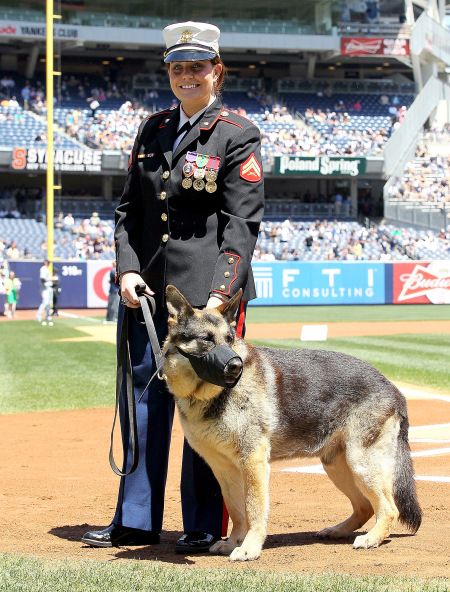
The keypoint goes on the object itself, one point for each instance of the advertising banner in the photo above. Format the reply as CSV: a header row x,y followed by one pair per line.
x,y
35,30
67,159
325,166
297,283
374,46
421,282
72,281
97,283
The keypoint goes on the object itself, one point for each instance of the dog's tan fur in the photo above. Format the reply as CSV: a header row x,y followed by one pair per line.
x,y
239,430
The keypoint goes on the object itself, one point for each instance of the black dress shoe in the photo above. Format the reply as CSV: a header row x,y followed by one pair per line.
x,y
195,542
114,536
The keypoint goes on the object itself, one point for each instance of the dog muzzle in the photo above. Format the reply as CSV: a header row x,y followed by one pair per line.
x,y
221,366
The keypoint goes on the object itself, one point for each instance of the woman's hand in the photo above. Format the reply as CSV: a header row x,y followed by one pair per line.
x,y
128,283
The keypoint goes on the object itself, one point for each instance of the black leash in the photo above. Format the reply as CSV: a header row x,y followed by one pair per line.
x,y
148,308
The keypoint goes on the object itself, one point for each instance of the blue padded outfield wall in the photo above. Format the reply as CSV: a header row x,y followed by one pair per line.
x,y
294,283
278,283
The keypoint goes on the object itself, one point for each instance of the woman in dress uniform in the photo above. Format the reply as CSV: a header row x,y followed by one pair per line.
x,y
189,216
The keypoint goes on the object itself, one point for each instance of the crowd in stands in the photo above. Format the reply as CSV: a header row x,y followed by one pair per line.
x,y
319,240
325,240
104,114
426,178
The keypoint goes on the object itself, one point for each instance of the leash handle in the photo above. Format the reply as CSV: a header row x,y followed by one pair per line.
x,y
124,366
147,303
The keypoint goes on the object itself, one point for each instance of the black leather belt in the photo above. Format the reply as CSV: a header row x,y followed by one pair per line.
x,y
148,308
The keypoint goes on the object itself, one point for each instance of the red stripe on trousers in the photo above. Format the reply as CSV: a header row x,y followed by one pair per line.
x,y
240,318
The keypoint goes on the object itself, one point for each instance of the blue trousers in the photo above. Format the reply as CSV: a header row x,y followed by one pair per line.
x,y
141,495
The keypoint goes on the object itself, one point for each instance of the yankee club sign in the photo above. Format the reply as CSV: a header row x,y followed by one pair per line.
x,y
319,165
67,160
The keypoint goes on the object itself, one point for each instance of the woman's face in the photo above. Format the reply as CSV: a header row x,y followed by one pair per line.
x,y
193,83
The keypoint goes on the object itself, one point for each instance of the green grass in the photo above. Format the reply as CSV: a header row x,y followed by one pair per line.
x,y
140,576
423,360
38,372
313,314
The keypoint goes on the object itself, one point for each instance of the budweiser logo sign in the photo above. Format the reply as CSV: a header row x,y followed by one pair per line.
x,y
431,282
8,30
374,46
363,46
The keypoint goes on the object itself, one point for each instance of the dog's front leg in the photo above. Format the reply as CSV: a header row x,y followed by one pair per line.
x,y
231,483
255,471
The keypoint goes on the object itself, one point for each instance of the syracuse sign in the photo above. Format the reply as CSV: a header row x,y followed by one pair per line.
x,y
68,160
319,165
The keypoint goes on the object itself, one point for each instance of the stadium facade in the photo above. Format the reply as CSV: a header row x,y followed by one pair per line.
x,y
320,55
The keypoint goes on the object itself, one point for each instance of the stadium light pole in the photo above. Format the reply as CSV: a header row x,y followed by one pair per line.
x,y
49,100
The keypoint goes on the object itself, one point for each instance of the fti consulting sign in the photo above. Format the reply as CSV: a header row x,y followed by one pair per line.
x,y
324,166
294,283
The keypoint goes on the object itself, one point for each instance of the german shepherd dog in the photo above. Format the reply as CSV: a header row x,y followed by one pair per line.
x,y
288,404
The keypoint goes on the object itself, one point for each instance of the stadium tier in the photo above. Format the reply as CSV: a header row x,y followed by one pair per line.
x,y
19,127
320,240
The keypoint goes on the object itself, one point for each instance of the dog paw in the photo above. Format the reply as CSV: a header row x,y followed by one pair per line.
x,y
222,548
365,541
332,533
245,554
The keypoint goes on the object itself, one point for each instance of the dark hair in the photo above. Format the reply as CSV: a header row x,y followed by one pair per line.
x,y
221,78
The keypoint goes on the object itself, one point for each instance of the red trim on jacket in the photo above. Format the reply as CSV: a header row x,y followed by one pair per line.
x,y
240,319
219,117
238,259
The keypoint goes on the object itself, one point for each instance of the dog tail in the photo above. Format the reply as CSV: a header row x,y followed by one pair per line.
x,y
405,495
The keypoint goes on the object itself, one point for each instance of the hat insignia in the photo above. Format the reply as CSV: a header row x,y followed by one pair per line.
x,y
186,36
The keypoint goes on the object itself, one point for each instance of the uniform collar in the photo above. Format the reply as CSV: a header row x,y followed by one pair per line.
x,y
184,118
209,115
169,126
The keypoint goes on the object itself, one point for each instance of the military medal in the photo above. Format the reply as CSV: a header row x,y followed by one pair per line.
x,y
211,187
210,175
199,173
188,169
199,184
201,160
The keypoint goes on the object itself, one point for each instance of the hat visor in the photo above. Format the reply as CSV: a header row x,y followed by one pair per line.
x,y
189,55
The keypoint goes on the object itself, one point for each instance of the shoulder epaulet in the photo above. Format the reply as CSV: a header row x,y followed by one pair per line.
x,y
229,117
238,116
157,114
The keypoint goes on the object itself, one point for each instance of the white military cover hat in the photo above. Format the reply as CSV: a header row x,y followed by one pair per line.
x,y
189,42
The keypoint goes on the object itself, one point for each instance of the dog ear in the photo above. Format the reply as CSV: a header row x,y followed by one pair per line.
x,y
177,304
229,309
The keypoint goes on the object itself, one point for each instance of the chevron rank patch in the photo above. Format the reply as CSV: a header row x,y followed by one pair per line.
x,y
251,170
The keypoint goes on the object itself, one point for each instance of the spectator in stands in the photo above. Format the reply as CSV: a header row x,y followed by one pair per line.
x,y
212,236
12,252
7,84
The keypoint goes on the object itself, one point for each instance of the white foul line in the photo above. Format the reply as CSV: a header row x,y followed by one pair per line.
x,y
435,452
